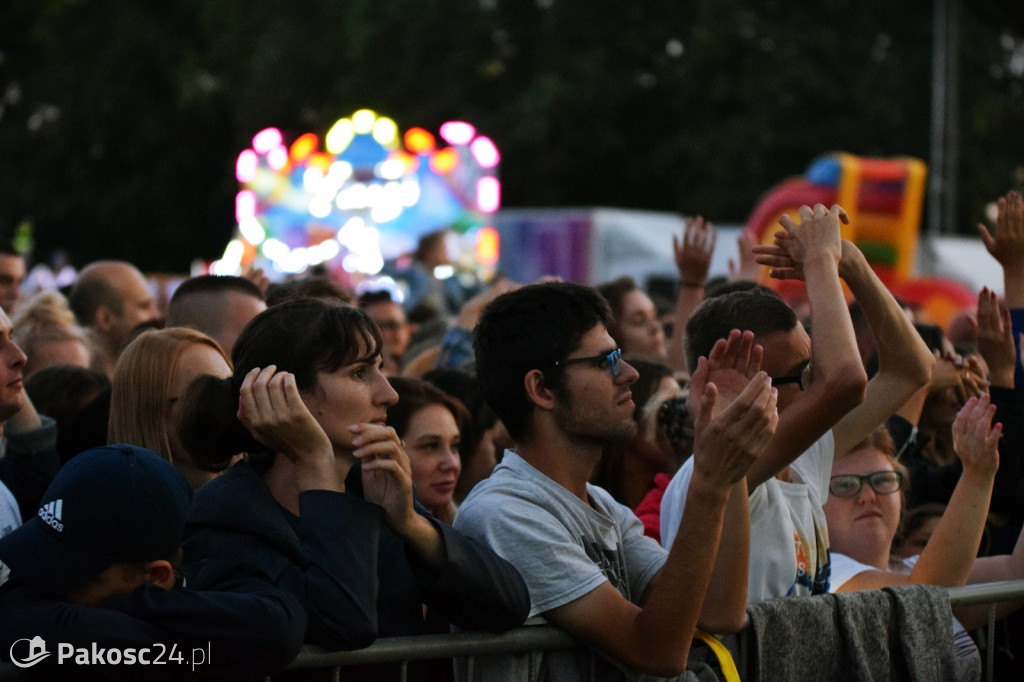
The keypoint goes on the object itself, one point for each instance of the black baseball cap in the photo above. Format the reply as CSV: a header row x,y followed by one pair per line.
x,y
112,504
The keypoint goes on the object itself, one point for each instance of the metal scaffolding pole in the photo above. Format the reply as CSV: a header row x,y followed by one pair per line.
x,y
942,174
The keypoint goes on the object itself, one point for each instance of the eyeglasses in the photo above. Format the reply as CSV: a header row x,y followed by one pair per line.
x,y
611,358
882,482
801,378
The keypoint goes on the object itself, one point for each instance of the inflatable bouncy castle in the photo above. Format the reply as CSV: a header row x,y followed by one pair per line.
x,y
883,197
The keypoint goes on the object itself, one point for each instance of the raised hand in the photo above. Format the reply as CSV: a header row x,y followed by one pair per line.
x,y
817,234
745,267
728,441
995,339
730,366
1007,246
977,442
259,278
693,253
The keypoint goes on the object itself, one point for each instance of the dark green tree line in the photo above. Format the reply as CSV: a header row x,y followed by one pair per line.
x,y
120,122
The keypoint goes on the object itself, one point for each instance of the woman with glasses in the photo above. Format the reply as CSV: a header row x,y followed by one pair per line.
x,y
863,512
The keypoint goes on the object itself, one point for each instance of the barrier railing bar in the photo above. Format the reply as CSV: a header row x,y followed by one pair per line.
x,y
549,638
425,647
982,593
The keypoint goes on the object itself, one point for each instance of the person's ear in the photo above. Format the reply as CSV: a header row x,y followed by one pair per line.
x,y
537,391
160,573
104,318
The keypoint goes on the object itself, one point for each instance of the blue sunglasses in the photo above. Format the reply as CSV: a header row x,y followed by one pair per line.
x,y
611,358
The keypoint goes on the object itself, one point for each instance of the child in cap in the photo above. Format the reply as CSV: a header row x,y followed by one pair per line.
x,y
97,568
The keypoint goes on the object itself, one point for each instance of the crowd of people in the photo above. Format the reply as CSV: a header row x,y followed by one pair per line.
x,y
259,465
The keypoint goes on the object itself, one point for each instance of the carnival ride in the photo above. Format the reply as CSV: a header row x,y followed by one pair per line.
x,y
361,195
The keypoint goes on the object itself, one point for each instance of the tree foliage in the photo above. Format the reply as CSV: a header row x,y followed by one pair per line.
x,y
120,122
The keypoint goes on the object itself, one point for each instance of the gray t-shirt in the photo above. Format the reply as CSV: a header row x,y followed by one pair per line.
x,y
564,548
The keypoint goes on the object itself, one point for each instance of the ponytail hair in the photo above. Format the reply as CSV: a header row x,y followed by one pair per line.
x,y
208,426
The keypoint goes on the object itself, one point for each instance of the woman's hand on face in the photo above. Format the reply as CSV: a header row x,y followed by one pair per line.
x,y
977,442
270,407
387,474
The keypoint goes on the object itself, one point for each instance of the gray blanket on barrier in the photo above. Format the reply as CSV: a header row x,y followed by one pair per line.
x,y
897,633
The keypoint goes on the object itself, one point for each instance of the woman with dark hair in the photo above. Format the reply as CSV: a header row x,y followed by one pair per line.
x,y
430,423
634,325
637,326
484,436
323,505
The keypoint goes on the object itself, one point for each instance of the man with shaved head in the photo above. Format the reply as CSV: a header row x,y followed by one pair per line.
x,y
218,305
110,300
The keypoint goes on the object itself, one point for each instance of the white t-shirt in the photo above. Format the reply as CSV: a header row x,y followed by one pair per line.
x,y
965,651
788,533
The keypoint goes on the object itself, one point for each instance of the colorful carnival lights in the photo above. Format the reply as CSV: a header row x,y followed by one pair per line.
x,y
364,193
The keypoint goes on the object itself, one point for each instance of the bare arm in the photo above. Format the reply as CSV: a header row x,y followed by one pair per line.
x,y
993,569
950,554
725,602
732,363
811,251
904,361
1007,246
656,637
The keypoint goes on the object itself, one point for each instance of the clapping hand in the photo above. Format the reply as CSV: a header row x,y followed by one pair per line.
x,y
817,233
977,442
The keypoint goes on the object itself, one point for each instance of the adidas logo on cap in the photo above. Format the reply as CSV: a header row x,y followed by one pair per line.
x,y
50,514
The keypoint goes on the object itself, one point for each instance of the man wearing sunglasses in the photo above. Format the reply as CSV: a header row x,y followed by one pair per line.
x,y
826,405
549,368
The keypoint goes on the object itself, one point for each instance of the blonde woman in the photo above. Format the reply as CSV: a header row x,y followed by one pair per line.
x,y
45,330
149,379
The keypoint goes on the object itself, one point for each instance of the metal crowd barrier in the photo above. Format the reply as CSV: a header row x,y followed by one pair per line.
x,y
402,650
537,639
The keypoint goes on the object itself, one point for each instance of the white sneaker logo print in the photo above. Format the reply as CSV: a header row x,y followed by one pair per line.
x,y
50,513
